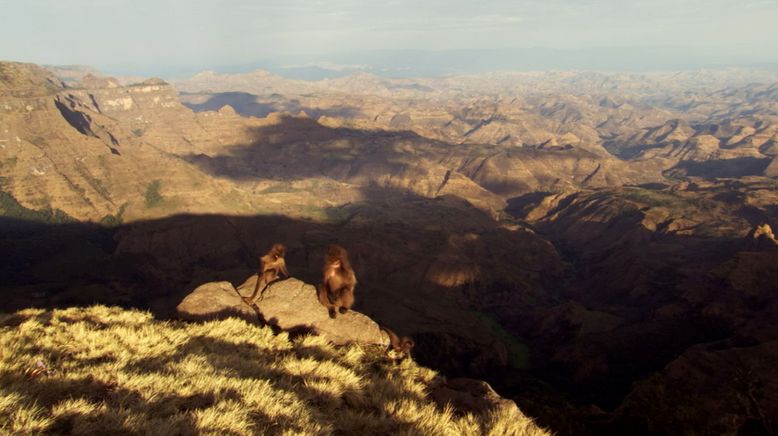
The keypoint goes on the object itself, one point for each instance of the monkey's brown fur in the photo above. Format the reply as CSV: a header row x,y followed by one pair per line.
x,y
401,345
271,266
336,291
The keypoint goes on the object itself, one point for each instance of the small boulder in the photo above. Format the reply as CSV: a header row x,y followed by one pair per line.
x,y
763,238
217,300
772,169
227,110
468,395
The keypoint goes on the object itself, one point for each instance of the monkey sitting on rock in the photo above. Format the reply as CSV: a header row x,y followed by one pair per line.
x,y
336,291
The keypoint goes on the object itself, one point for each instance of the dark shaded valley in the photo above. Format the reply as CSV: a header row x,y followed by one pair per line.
x,y
598,247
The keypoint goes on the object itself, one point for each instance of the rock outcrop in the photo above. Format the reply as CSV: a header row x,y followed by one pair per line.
x,y
288,305
762,237
216,300
772,169
467,395
291,305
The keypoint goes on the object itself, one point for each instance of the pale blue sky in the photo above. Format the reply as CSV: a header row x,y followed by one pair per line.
x,y
163,35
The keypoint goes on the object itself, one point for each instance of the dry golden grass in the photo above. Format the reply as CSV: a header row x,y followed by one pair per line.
x,y
105,370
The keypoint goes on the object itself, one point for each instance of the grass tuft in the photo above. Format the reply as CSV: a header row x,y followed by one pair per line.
x,y
109,370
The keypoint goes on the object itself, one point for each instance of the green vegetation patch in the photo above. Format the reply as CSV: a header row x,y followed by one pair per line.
x,y
649,197
518,352
233,200
279,188
110,221
39,141
9,163
93,181
11,208
312,211
114,220
153,197
340,214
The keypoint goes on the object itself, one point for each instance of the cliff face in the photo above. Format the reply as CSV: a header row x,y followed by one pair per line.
x,y
98,149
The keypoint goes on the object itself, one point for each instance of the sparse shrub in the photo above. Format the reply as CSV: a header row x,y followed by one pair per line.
x,y
11,208
10,162
518,352
279,188
110,221
114,220
153,196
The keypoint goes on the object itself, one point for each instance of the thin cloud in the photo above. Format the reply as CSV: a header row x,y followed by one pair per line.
x,y
173,32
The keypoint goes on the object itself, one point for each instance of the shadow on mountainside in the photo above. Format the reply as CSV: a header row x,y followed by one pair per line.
x,y
737,167
631,301
154,264
251,105
637,299
298,148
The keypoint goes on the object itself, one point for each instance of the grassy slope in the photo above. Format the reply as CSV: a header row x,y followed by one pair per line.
x,y
120,370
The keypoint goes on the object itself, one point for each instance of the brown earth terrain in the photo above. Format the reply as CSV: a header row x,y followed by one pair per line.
x,y
597,246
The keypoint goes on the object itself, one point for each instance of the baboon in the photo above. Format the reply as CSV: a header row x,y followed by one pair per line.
x,y
401,346
271,266
336,291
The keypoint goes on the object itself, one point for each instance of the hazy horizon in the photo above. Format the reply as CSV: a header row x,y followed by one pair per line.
x,y
397,37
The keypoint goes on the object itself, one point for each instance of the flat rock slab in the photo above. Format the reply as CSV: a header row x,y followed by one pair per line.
x,y
216,300
292,305
289,305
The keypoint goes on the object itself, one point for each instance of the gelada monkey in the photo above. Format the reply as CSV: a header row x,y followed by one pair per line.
x,y
336,291
271,266
400,345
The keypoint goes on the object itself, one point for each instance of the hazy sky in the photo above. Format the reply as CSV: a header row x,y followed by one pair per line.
x,y
163,34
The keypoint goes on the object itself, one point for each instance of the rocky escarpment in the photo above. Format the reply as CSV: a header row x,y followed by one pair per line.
x,y
100,151
762,237
26,80
291,305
